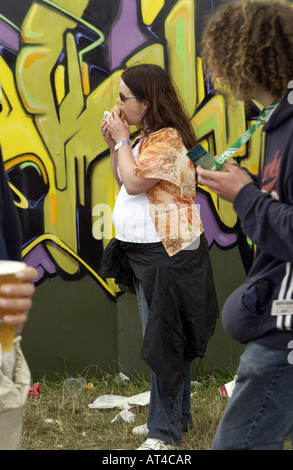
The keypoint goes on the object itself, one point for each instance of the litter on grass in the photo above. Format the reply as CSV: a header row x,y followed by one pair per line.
x,y
126,403
227,389
73,387
117,401
124,415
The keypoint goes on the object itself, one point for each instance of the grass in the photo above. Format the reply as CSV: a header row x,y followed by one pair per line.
x,y
73,425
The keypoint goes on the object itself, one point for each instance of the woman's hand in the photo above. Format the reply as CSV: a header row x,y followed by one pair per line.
x,y
106,134
114,129
18,297
119,130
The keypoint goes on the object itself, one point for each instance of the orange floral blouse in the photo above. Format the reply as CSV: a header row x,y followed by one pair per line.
x,y
172,208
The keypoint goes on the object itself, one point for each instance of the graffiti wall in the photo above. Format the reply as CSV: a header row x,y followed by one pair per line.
x,y
60,66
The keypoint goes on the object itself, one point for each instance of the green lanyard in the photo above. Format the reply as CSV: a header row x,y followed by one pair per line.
x,y
245,137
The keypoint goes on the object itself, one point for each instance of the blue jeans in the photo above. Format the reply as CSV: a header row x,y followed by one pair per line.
x,y
167,419
259,415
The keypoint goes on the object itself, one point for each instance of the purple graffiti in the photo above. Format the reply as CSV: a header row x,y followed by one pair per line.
x,y
39,259
212,230
8,37
126,35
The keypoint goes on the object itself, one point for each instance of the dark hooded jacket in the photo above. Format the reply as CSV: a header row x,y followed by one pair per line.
x,y
10,234
261,310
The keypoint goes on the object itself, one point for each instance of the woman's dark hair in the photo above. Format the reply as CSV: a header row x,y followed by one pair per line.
x,y
152,84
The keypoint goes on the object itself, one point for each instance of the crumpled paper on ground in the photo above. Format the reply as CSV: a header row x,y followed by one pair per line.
x,y
227,389
124,415
118,401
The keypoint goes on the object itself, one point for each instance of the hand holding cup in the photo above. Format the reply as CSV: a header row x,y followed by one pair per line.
x,y
16,291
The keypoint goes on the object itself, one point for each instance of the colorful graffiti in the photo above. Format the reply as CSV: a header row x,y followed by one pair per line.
x,y
60,65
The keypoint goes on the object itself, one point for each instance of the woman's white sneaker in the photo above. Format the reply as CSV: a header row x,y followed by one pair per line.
x,y
140,430
155,444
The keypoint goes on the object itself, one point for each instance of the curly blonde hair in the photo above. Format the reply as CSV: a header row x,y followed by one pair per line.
x,y
249,44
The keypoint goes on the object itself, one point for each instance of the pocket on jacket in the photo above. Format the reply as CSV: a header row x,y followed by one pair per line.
x,y
244,309
257,296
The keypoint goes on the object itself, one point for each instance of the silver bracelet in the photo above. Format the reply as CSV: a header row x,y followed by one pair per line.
x,y
121,143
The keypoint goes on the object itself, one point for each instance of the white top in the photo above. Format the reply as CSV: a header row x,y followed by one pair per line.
x,y
131,217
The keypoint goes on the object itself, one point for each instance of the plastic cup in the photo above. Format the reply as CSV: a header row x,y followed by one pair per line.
x,y
73,387
7,276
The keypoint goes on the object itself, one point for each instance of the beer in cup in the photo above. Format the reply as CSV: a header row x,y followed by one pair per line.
x,y
7,276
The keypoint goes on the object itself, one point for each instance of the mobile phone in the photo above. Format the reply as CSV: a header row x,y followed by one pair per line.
x,y
199,156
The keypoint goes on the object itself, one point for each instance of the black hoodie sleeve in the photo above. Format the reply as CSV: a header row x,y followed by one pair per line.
x,y
266,221
10,231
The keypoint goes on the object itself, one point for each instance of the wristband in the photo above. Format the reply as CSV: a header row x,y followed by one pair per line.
x,y
121,143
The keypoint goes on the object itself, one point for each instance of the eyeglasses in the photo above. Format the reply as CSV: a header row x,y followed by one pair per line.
x,y
123,98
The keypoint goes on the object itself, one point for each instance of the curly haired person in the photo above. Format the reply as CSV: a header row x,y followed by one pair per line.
x,y
247,48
